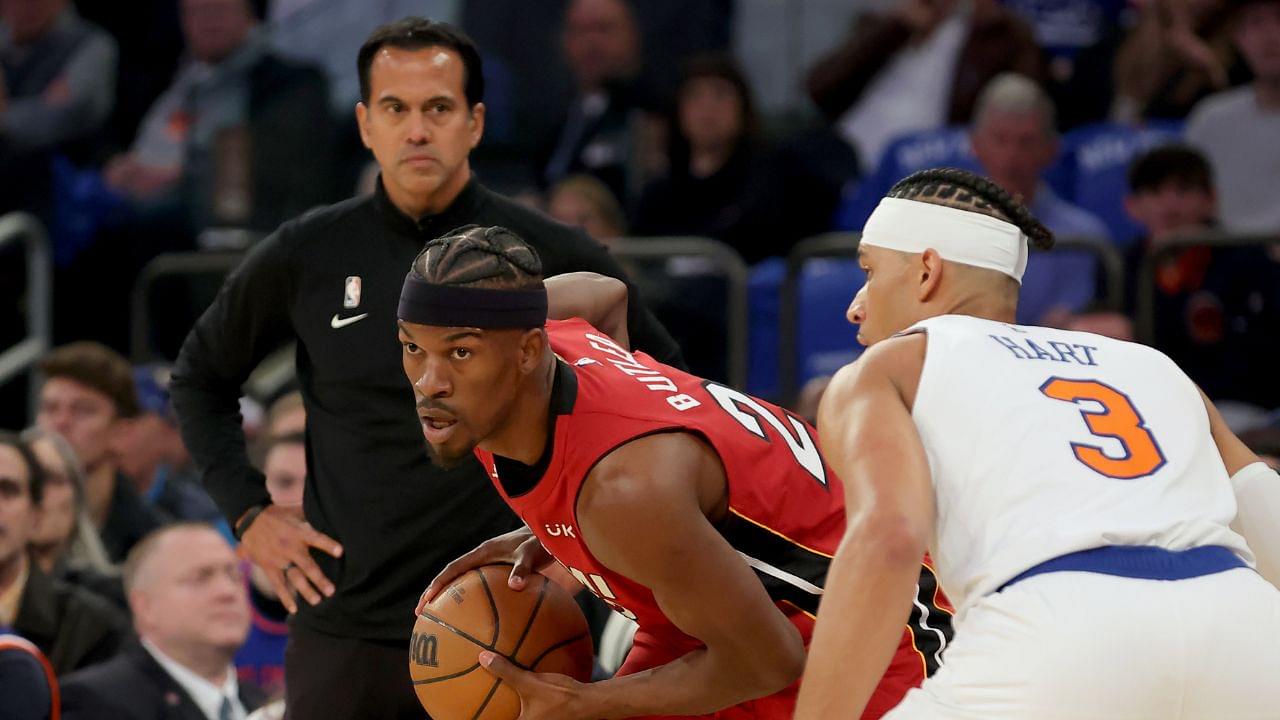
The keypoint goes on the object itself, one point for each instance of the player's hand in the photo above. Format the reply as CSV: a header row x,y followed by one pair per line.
x,y
279,541
518,547
543,696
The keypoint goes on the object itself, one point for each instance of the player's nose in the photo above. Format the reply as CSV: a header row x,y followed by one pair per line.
x,y
433,382
857,311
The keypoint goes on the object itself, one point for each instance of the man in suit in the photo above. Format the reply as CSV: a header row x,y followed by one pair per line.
x,y
71,626
191,615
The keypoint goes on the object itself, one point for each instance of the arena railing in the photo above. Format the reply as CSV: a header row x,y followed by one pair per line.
x,y
19,227
187,264
726,260
267,380
845,245
1144,310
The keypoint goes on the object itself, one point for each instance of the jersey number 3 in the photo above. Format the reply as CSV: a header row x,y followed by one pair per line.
x,y
1117,419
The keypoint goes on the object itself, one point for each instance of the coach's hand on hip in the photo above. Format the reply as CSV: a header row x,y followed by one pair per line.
x,y
279,541
518,547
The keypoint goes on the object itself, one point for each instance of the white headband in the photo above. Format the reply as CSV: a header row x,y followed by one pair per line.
x,y
957,235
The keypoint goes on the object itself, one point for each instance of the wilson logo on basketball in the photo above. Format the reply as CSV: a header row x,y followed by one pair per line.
x,y
423,649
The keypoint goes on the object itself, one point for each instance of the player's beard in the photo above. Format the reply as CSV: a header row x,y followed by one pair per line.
x,y
447,460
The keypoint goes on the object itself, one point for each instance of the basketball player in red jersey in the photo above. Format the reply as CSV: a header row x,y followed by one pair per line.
x,y
707,516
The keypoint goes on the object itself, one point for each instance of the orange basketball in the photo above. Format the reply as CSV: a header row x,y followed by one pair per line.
x,y
539,628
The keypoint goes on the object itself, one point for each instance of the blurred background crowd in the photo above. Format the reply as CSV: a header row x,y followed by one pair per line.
x,y
1144,133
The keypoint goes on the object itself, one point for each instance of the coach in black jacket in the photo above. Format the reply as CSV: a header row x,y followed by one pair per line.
x,y
381,520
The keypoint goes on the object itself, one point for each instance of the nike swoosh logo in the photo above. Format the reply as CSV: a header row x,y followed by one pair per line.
x,y
337,323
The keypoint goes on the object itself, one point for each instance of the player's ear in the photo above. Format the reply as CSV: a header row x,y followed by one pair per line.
x,y
532,344
930,275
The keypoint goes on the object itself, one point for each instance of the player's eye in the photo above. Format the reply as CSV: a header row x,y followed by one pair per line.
x,y
411,348
461,353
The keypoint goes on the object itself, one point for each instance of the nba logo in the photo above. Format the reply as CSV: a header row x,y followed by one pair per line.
x,y
351,293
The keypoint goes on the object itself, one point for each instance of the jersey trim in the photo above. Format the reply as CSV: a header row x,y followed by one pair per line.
x,y
789,571
929,622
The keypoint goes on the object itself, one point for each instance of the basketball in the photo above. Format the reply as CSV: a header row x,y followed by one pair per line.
x,y
539,628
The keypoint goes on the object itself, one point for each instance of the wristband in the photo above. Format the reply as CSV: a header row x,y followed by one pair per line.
x,y
246,520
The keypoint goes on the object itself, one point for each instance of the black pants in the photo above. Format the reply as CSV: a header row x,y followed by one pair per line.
x,y
335,678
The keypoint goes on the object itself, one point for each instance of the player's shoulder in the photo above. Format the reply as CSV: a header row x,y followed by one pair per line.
x,y
897,359
651,471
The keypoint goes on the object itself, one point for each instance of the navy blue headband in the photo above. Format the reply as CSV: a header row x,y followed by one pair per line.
x,y
425,303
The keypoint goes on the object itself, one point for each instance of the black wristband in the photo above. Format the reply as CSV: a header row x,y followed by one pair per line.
x,y
246,520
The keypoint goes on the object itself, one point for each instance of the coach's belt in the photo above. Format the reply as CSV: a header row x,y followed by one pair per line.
x,y
1145,562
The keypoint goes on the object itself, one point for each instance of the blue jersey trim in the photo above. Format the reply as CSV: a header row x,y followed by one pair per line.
x,y
1139,561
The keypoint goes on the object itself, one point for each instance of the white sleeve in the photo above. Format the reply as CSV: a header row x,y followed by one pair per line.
x,y
1257,489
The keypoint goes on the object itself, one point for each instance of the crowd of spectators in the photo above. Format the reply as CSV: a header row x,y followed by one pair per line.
x,y
199,125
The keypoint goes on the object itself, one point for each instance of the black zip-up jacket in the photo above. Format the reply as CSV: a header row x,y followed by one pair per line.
x,y
371,485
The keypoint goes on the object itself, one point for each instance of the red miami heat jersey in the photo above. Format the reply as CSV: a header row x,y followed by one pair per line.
x,y
786,508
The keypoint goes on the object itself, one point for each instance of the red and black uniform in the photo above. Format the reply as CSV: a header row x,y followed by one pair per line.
x,y
786,508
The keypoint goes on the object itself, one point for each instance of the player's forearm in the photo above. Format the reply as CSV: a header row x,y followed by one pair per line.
x,y
701,682
865,603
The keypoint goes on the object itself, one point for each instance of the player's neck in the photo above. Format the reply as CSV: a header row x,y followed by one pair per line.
x,y
524,435
983,305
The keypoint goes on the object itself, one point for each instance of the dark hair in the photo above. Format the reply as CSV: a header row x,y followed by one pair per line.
x,y
721,66
97,366
415,33
967,191
492,257
35,473
1177,162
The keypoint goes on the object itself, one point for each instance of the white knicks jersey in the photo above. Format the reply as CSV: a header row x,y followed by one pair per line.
x,y
1044,442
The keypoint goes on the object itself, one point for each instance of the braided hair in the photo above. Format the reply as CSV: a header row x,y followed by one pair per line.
x,y
487,257
967,191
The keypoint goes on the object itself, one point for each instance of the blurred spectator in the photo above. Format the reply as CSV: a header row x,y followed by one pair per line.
x,y
152,455
65,544
27,682
56,91
1216,310
261,659
1015,141
189,610
149,36
720,182
328,33
1063,28
240,136
1265,441
286,468
529,85
87,395
917,66
71,626
606,125
1239,129
585,202
1179,52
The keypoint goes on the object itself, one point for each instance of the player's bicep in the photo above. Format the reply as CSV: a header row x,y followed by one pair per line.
x,y
650,527
872,443
599,299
